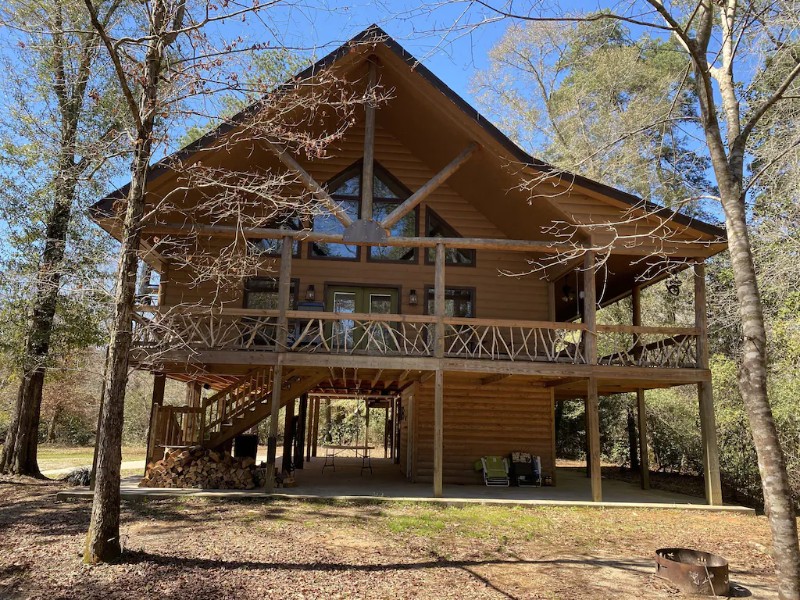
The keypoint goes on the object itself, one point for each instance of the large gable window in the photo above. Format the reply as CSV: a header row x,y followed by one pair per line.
x,y
262,293
388,193
436,226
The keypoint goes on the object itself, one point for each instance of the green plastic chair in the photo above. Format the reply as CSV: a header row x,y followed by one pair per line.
x,y
495,471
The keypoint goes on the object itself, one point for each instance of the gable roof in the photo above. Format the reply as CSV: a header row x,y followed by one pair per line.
x,y
375,35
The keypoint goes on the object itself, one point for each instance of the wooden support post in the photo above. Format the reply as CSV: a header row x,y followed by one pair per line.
x,y
644,455
386,434
300,435
272,439
641,409
366,424
438,404
590,308
369,143
593,431
159,383
396,425
438,434
708,425
410,402
392,417
288,437
315,431
281,335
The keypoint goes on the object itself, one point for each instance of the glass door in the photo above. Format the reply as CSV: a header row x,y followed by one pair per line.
x,y
348,334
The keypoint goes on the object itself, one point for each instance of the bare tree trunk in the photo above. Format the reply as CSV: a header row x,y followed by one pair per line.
x,y
753,387
102,539
20,450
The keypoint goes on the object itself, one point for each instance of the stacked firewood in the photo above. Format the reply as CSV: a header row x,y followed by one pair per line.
x,y
197,467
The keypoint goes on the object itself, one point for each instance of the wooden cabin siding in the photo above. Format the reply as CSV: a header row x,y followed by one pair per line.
x,y
497,296
481,420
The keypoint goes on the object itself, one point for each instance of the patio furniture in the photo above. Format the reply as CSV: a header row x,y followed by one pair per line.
x,y
526,469
334,450
495,471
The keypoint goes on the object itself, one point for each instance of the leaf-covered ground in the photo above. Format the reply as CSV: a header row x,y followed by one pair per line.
x,y
196,549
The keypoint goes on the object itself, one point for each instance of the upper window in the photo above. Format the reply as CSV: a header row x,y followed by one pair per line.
x,y
262,293
436,226
387,194
458,302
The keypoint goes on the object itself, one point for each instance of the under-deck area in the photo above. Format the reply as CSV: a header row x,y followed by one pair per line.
x,y
387,483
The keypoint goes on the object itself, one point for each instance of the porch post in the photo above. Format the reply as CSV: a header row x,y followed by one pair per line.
x,y
315,430
590,308
300,432
288,434
284,289
593,432
641,409
159,383
369,144
708,426
438,402
644,455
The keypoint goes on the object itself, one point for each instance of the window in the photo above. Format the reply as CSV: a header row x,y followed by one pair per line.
x,y
262,293
458,302
435,226
272,247
387,193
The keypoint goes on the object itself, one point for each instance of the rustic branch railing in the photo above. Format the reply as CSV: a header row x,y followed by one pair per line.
x,y
636,346
412,336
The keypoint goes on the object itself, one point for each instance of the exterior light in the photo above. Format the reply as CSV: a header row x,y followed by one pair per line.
x,y
674,286
311,293
412,298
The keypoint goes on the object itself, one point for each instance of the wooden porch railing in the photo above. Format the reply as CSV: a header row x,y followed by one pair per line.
x,y
412,336
173,427
638,346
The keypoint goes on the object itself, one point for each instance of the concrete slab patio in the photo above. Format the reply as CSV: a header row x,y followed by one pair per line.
x,y
386,483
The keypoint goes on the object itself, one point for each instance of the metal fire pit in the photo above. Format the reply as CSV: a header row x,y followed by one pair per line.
x,y
692,571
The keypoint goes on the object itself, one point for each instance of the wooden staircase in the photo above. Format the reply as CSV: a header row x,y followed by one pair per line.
x,y
245,403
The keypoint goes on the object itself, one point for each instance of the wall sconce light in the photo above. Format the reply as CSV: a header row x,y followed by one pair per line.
x,y
567,294
674,286
412,298
310,293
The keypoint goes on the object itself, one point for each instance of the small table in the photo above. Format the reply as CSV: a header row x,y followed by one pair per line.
x,y
332,451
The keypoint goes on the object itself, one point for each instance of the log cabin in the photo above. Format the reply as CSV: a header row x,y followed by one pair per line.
x,y
399,288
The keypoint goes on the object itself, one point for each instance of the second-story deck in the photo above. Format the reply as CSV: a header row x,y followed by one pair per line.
x,y
319,338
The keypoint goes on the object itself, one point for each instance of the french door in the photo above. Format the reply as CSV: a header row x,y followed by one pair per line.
x,y
349,334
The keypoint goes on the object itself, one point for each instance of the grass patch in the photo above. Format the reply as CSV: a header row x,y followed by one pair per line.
x,y
474,521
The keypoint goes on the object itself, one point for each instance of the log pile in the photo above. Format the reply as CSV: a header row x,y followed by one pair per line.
x,y
197,467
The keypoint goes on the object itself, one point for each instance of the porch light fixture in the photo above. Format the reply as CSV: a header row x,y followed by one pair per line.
x,y
674,286
412,298
311,293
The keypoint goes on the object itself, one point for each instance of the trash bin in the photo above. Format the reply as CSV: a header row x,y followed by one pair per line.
x,y
246,445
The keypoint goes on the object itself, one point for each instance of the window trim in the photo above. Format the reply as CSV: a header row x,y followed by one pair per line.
x,y
428,212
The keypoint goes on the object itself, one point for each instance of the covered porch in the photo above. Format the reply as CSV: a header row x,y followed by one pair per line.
x,y
387,483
